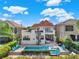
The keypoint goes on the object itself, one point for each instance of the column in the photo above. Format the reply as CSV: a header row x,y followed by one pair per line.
x,y
76,37
44,37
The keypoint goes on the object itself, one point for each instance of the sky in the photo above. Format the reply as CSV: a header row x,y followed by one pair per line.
x,y
28,12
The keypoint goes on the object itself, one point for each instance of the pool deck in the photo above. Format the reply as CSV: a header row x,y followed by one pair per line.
x,y
52,44
20,50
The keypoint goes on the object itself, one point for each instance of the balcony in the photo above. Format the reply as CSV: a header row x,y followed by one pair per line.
x,y
48,31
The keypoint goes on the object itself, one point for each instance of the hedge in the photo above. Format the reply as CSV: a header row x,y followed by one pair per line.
x,y
75,46
69,43
4,49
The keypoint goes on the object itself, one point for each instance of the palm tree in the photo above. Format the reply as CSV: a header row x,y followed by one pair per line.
x,y
38,36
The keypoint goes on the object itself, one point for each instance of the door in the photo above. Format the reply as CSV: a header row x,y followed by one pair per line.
x,y
73,37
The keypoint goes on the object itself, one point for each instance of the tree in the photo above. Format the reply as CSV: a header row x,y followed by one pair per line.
x,y
5,29
68,43
29,28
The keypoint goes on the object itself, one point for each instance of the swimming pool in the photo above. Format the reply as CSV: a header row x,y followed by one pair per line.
x,y
36,48
42,48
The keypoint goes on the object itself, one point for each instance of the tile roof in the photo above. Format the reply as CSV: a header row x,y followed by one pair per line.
x,y
43,23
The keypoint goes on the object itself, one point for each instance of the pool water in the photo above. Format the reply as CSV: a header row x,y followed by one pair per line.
x,y
55,52
51,50
36,48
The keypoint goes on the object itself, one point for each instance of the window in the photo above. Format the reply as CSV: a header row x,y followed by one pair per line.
x,y
15,30
69,28
42,37
26,38
49,37
47,30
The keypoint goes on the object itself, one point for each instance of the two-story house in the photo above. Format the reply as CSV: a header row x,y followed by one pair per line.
x,y
67,29
43,32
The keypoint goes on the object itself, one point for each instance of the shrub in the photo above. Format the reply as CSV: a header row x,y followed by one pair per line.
x,y
4,50
78,47
75,46
11,44
68,43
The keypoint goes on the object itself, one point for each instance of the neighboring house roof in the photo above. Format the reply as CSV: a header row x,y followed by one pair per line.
x,y
43,23
66,21
12,23
63,23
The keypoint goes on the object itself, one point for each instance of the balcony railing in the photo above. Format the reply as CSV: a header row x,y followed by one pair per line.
x,y
48,31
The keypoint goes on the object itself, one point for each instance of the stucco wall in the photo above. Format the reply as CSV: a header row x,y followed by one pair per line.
x,y
32,35
64,33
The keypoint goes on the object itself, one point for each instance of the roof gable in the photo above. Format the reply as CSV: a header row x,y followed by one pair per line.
x,y
43,23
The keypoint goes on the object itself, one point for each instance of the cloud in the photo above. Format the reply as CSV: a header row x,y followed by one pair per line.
x,y
18,21
25,13
3,19
53,2
47,18
48,12
6,15
59,13
15,9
